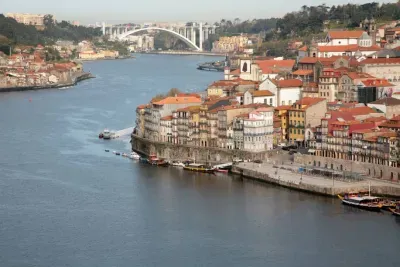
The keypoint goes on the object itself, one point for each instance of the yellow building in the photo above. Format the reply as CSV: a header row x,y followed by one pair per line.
x,y
305,113
90,55
282,112
27,19
110,53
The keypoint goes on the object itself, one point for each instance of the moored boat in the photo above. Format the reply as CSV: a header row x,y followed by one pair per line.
x,y
106,134
101,135
198,168
125,155
117,153
361,202
143,160
134,155
221,170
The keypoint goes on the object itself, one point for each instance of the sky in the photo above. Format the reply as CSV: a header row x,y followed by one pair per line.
x,y
125,11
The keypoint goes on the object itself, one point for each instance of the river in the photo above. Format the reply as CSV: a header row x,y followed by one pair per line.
x,y
64,201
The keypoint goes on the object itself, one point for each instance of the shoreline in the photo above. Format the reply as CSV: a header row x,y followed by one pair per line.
x,y
266,173
82,77
183,53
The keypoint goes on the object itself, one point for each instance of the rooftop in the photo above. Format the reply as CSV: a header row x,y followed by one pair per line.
x,y
178,100
289,83
345,34
260,93
388,101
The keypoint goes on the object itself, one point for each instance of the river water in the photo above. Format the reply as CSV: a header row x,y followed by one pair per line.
x,y
66,202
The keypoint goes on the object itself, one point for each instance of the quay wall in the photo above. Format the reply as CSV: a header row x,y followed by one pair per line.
x,y
376,171
171,151
382,190
80,77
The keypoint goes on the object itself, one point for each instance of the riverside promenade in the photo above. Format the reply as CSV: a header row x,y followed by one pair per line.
x,y
287,175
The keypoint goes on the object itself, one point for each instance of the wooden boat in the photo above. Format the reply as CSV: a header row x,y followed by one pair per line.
x,y
386,203
221,170
361,202
198,168
396,211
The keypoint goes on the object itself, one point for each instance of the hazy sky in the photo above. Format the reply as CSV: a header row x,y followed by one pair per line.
x,y
116,11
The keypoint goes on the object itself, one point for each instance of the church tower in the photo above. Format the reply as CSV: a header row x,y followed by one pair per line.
x,y
370,27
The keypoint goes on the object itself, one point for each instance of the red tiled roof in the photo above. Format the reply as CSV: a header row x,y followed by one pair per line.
x,y
167,118
358,110
303,72
303,48
288,83
391,60
345,48
358,75
178,100
308,60
344,34
377,82
259,93
265,64
308,101
284,107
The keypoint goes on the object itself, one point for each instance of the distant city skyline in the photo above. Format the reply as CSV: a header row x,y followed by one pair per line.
x,y
117,11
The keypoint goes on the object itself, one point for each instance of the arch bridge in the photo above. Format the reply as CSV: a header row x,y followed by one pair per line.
x,y
187,34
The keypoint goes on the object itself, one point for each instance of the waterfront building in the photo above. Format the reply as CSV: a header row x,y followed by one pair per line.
x,y
305,113
158,109
282,112
285,92
188,125
166,129
140,112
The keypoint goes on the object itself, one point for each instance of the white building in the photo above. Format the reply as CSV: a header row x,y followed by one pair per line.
x,y
259,97
166,129
258,130
285,92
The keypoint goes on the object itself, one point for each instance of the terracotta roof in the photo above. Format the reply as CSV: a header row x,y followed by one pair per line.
x,y
178,100
264,109
303,72
344,48
308,101
259,93
284,107
266,64
358,75
193,109
167,118
392,60
288,83
389,101
223,83
303,48
344,34
235,72
142,106
358,110
308,60
377,82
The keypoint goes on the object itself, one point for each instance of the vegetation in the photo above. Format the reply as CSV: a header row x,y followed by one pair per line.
x,y
19,33
171,92
310,20
105,43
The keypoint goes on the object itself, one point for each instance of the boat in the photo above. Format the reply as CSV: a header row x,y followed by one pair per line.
x,y
107,150
134,155
361,202
387,204
101,135
198,168
125,155
106,134
396,211
177,164
117,153
161,163
114,152
221,170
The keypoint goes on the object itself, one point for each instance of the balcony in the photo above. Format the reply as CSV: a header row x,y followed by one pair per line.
x,y
296,126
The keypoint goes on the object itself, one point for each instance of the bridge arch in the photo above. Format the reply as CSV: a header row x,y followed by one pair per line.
x,y
183,38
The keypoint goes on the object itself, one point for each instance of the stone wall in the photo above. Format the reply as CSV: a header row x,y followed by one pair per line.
x,y
171,151
321,190
369,169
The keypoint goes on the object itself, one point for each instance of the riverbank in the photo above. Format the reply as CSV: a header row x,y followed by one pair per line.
x,y
100,59
288,177
184,53
78,78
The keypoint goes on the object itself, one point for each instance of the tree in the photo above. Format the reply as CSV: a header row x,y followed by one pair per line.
x,y
48,20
